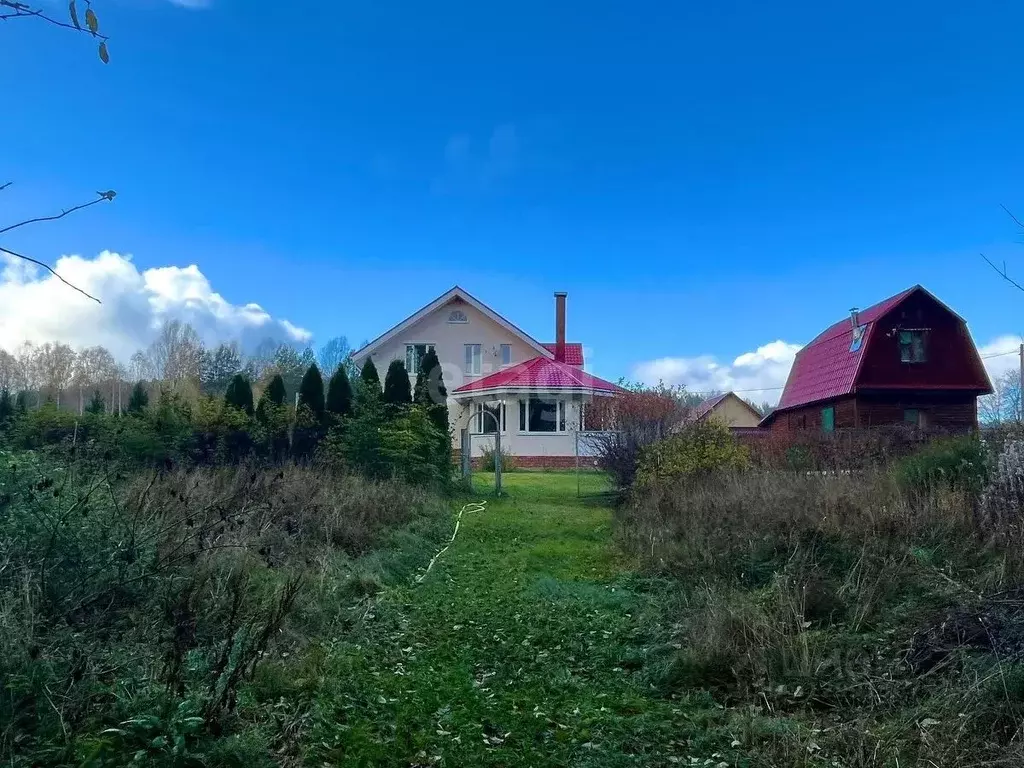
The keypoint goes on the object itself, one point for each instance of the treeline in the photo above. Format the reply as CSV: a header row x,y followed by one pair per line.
x,y
392,431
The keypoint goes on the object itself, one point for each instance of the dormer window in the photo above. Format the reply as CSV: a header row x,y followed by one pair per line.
x,y
912,346
457,316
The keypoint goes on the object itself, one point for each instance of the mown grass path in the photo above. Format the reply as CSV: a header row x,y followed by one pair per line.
x,y
520,648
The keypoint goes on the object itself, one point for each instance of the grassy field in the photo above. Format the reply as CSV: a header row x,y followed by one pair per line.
x,y
520,648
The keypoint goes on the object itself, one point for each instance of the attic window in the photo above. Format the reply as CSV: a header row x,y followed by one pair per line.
x,y
912,346
457,316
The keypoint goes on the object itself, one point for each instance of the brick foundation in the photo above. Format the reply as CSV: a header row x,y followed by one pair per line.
x,y
544,462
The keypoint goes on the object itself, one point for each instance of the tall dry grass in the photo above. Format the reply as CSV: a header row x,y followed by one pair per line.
x,y
841,618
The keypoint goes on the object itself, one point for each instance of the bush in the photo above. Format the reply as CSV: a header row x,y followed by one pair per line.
x,y
141,608
508,461
959,462
629,422
698,448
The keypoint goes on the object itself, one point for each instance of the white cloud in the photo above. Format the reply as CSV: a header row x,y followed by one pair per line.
x,y
35,306
1001,355
765,370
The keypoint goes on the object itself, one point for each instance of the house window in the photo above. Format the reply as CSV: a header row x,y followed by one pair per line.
x,y
536,415
828,419
506,354
915,416
912,347
473,359
484,424
414,354
457,316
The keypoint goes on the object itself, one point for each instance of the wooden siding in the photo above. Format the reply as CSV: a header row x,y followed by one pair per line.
x,y
951,359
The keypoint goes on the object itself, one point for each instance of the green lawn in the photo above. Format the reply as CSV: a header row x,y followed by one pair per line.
x,y
522,647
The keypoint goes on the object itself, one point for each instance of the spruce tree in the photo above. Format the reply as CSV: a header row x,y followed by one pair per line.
x,y
239,394
431,392
311,392
96,404
21,403
275,391
339,394
369,375
397,391
139,399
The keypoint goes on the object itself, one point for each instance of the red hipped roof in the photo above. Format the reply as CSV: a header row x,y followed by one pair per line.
x,y
573,351
540,373
826,367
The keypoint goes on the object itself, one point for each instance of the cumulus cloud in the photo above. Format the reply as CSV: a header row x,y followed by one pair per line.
x,y
764,370
35,306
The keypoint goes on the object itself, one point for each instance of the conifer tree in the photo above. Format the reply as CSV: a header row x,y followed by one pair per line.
x,y
239,394
6,408
275,391
431,392
397,391
96,404
311,392
139,399
339,394
369,375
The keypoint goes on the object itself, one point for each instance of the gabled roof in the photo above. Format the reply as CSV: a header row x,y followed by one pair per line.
x,y
573,351
711,403
540,374
440,301
827,367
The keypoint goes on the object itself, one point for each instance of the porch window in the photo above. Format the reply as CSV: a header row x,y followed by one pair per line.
x,y
828,419
536,415
473,365
912,347
506,354
414,354
484,424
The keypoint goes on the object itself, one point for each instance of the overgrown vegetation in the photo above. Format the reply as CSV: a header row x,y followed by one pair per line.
x,y
859,618
139,612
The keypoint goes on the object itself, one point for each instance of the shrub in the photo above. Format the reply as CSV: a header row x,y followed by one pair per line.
x,y
369,375
699,448
959,462
508,461
629,422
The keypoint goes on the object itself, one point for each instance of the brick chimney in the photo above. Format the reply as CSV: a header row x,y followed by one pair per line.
x,y
560,326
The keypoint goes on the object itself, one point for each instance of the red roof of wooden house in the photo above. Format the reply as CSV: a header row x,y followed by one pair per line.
x,y
829,365
540,373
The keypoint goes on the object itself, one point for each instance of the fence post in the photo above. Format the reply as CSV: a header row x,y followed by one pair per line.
x,y
466,459
497,461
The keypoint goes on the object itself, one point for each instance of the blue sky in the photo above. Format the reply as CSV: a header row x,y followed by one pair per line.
x,y
703,179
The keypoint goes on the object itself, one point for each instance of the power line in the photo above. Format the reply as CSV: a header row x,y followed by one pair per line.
x,y
1000,354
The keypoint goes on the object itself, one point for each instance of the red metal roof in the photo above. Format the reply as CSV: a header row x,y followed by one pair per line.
x,y
540,373
826,367
573,351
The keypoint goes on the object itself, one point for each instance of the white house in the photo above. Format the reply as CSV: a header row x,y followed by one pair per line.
x,y
536,391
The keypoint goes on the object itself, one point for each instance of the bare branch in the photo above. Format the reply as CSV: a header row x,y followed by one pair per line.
x,y
16,10
49,269
1008,213
1002,273
5,186
103,196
